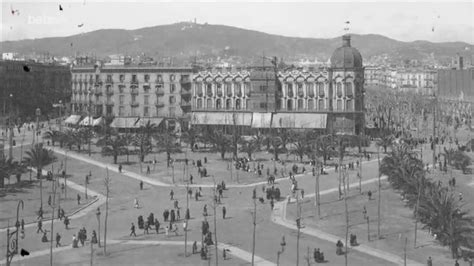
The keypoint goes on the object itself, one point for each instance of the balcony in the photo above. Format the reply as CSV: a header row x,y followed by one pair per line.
x,y
109,82
186,93
98,92
134,83
159,104
109,103
185,104
109,92
185,80
146,83
160,92
146,88
134,91
134,104
121,82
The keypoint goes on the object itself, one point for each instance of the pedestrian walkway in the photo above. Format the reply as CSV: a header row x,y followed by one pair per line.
x,y
279,217
233,251
100,199
151,181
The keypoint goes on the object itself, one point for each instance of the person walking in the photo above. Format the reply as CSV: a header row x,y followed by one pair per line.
x,y
148,170
157,226
40,226
78,199
120,168
135,203
66,222
58,240
429,262
171,195
145,228
224,211
141,185
132,230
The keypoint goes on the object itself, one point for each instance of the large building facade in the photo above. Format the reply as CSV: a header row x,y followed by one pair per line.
x,y
127,94
330,100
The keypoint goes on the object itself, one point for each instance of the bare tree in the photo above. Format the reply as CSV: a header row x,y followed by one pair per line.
x,y
107,191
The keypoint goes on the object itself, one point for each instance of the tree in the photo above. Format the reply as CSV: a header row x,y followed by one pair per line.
x,y
107,192
277,146
38,157
385,141
325,146
250,146
53,135
221,142
190,137
167,142
144,145
7,169
113,146
300,148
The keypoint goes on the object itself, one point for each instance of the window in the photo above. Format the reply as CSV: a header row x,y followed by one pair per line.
x,y
172,88
300,104
134,78
172,99
237,104
339,89
247,103
134,111
121,99
238,89
348,87
289,105
339,105
146,111
320,87
228,104
122,78
278,104
263,105
309,89
219,90
109,78
199,103
147,78
134,98
263,88
300,89
209,103
147,99
289,92
227,88
321,104
247,88
122,111
199,89
172,77
121,88
218,104
349,105
97,78
209,90
310,104
159,78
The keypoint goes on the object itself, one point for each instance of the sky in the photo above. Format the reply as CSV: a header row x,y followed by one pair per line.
x,y
436,21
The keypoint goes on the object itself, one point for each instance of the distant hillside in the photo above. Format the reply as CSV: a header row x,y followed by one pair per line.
x,y
186,40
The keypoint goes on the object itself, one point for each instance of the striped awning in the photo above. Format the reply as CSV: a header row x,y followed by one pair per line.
x,y
73,119
153,120
261,120
221,118
87,121
299,120
97,122
125,122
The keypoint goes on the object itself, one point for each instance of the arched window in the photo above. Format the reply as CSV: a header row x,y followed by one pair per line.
x,y
237,104
321,89
349,105
228,89
299,85
289,92
309,90
339,89
339,105
349,90
219,90
199,89
300,104
321,104
209,104
238,89
310,104
209,90
199,103
228,104
289,105
279,104
218,104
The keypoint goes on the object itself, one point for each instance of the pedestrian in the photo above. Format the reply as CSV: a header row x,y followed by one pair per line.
x,y
364,212
172,216
185,225
40,227
135,203
369,194
196,195
40,213
456,263
194,247
176,203
22,224
120,168
94,237
157,226
141,185
178,215
224,211
302,193
78,199
66,222
191,178
171,195
429,262
175,229
167,231
145,228
205,210
132,230
44,239
272,204
58,240
148,170
49,200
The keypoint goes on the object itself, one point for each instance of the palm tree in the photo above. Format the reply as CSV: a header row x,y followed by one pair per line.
x,y
325,146
385,141
221,142
166,142
114,145
277,146
190,136
39,157
250,146
301,148
7,169
53,135
144,145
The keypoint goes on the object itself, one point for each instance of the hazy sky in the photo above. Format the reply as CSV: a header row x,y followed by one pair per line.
x,y
436,21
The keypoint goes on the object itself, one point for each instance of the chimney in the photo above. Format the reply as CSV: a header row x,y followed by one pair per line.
x,y
346,40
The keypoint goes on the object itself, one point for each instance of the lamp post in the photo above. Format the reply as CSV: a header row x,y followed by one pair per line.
x,y
97,213
10,149
90,123
17,224
38,113
279,252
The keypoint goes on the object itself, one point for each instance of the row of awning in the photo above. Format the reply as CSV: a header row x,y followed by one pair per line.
x,y
261,120
134,122
87,121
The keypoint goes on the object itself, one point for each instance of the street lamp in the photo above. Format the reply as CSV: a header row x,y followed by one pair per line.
x,y
13,243
10,149
97,213
90,122
38,113
279,252
17,224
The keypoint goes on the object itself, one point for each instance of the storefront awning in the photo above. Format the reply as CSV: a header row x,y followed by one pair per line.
x,y
87,121
73,119
98,121
261,120
125,122
299,120
153,120
221,118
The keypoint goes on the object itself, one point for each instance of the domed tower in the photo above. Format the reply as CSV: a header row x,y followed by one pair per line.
x,y
346,90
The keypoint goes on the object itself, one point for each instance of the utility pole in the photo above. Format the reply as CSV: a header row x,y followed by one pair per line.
x,y
254,228
416,213
186,220
52,223
380,193
215,221
298,226
347,214
434,129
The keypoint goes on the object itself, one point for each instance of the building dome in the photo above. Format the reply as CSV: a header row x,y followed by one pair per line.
x,y
346,56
